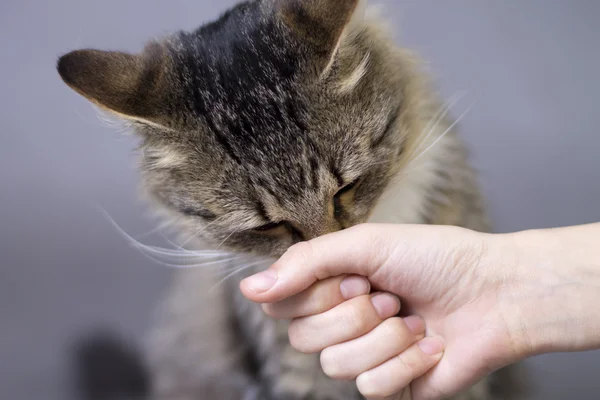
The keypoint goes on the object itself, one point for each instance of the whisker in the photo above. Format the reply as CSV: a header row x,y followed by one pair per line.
x,y
207,264
229,269
185,260
221,272
159,228
110,122
185,253
445,132
430,127
227,238
237,271
153,252
200,265
175,245
200,230
437,118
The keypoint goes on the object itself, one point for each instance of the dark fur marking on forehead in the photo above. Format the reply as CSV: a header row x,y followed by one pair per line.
x,y
223,141
338,176
314,171
242,70
294,115
260,181
262,210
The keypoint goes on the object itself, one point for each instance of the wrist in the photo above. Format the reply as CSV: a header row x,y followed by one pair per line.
x,y
551,290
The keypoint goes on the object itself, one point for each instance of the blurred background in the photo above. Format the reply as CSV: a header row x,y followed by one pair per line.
x,y
532,65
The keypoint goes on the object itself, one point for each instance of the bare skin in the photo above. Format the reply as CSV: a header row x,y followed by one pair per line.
x,y
474,302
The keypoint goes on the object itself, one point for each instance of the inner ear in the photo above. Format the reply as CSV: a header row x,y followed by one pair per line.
x,y
131,85
319,24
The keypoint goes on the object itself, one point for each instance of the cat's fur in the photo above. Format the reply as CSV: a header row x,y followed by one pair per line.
x,y
258,120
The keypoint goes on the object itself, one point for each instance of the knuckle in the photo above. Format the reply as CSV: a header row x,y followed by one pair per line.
x,y
316,304
297,337
302,253
394,328
301,250
356,316
395,325
409,367
318,297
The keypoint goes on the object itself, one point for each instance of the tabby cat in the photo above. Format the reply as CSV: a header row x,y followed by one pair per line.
x,y
281,121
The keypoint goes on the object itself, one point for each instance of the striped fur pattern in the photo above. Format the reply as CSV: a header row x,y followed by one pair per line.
x,y
279,122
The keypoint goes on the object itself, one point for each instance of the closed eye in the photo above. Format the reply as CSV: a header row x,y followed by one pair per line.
x,y
347,188
192,212
269,227
276,228
338,208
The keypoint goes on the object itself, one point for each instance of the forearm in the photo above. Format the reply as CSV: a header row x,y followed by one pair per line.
x,y
553,293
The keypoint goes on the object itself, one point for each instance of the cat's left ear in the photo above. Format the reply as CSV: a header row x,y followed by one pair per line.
x,y
130,85
320,24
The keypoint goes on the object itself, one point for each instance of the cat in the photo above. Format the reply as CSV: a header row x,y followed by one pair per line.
x,y
281,121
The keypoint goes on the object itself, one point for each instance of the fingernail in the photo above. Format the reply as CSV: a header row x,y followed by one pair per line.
x,y
432,346
386,305
262,281
415,324
354,286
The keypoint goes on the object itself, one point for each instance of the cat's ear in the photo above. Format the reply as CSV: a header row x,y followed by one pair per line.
x,y
130,85
319,23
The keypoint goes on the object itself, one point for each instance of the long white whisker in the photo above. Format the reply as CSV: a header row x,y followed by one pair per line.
x,y
222,272
150,251
184,253
199,265
437,118
159,228
237,271
227,270
186,260
176,246
200,230
227,238
155,253
445,132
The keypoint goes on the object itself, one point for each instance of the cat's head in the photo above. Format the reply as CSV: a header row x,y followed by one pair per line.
x,y
279,122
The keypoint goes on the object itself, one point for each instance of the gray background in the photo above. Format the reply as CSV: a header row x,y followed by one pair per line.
x,y
533,65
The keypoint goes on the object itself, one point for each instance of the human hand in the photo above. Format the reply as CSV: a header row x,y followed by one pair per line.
x,y
359,335
445,275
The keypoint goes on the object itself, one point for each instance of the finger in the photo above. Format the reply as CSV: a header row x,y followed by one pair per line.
x,y
347,321
390,338
397,374
320,297
405,394
358,250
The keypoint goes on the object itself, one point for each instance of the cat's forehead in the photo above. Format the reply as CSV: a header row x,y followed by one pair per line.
x,y
245,48
250,101
240,80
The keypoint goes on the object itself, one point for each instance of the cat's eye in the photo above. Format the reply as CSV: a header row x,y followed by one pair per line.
x,y
337,199
204,214
269,227
347,188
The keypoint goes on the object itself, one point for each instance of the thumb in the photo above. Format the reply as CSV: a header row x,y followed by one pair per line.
x,y
360,250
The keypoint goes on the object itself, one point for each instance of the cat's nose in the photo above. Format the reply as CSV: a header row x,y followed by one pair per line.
x,y
323,228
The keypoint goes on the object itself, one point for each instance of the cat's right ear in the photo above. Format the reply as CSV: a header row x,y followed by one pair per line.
x,y
129,85
319,23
